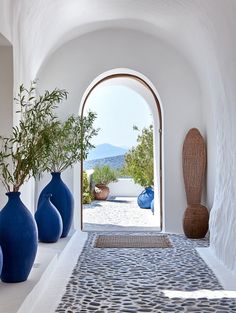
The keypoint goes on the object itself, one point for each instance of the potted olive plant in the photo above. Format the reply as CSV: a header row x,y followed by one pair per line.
x,y
139,165
21,157
87,195
72,141
102,176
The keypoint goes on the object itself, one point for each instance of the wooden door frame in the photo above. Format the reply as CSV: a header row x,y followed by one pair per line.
x,y
158,106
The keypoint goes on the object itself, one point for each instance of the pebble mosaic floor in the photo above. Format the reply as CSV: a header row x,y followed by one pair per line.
x,y
144,280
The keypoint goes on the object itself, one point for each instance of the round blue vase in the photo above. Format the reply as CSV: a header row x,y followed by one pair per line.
x,y
18,239
48,220
62,199
145,198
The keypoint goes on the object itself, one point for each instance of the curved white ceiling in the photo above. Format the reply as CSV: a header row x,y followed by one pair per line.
x,y
4,41
183,23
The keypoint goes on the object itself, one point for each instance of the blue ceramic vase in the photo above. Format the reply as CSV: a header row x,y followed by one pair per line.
x,y
48,220
18,239
62,199
145,198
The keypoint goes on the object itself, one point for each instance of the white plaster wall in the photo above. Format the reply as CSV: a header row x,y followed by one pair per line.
x,y
125,187
6,97
223,94
76,64
6,8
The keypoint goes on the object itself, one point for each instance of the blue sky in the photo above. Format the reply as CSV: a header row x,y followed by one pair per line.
x,y
118,108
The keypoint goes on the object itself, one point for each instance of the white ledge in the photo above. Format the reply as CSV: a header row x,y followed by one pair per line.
x,y
47,281
226,277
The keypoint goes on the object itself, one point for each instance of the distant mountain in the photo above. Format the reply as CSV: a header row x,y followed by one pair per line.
x,y
105,150
115,162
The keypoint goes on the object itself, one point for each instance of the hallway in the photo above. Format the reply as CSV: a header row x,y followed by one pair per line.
x,y
55,54
144,280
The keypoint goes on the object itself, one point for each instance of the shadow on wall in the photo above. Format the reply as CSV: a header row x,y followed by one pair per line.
x,y
6,96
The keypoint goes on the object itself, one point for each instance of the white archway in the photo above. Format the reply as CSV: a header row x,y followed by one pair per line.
x,y
75,66
143,86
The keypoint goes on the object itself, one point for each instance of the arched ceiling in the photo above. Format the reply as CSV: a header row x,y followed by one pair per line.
x,y
46,25
6,9
4,41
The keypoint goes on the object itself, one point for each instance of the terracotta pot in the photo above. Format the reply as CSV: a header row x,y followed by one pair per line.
x,y
101,192
195,222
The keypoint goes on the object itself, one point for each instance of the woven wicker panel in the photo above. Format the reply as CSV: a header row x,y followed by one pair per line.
x,y
194,164
127,241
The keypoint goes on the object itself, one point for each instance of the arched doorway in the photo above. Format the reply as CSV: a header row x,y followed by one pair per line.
x,y
145,88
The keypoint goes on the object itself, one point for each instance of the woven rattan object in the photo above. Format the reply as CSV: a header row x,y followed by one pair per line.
x,y
194,164
195,221
196,216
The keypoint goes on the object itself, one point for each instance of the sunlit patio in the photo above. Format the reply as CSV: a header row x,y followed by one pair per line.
x,y
118,213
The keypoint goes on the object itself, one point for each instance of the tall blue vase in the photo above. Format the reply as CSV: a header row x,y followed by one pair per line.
x,y
62,199
18,239
48,220
145,198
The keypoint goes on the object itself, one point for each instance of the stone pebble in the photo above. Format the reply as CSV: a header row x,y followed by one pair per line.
x,y
143,280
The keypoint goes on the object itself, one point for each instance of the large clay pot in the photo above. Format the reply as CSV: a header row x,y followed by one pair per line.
x,y
195,221
18,239
62,199
48,220
101,192
145,198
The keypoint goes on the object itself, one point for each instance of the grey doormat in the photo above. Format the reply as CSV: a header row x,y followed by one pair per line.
x,y
128,241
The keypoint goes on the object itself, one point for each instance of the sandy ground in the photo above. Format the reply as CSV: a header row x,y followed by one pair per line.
x,y
119,213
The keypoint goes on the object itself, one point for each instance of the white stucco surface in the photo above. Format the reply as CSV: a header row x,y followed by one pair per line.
x,y
125,187
6,97
186,48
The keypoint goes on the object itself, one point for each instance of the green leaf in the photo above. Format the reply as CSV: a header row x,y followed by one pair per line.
x,y
139,159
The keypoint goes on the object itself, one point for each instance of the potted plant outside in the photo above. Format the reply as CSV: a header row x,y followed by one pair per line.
x,y
72,141
139,165
21,157
87,195
102,176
